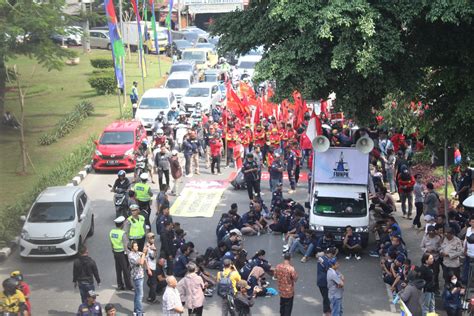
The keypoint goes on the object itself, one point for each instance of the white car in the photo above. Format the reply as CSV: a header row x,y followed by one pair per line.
x,y
99,38
179,82
57,224
152,103
246,64
204,93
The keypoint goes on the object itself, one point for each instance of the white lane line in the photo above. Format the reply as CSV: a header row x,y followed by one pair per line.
x,y
390,298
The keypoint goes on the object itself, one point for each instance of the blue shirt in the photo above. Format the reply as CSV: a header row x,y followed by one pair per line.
x,y
179,268
355,239
86,310
323,266
396,230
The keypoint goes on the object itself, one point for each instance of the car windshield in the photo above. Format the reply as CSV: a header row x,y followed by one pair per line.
x,y
340,207
181,44
196,30
154,103
210,78
175,68
247,64
177,84
191,36
197,56
197,92
116,138
205,45
52,212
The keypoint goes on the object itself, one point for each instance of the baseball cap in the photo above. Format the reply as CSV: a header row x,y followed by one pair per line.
x,y
92,293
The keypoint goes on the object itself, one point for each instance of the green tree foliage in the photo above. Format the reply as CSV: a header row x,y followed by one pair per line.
x,y
26,29
364,50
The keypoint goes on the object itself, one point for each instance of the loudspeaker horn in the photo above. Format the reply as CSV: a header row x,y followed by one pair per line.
x,y
365,144
321,144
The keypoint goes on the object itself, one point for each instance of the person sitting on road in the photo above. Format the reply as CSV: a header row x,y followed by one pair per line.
x,y
352,243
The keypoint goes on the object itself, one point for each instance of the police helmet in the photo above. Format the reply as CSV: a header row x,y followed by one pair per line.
x,y
121,173
144,176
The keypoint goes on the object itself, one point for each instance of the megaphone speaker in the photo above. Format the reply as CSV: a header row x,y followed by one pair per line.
x,y
321,144
365,144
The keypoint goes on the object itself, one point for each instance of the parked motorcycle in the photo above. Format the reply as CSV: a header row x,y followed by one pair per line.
x,y
120,202
140,167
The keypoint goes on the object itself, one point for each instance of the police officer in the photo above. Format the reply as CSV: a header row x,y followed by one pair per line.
x,y
90,307
136,226
143,195
119,241
250,170
276,172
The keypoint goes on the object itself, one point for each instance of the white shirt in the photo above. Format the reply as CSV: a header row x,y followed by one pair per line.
x,y
171,300
470,247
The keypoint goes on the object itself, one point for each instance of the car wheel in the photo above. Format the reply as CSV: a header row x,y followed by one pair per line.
x,y
109,47
91,230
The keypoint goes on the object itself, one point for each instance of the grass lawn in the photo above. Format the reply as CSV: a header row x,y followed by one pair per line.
x,y
52,95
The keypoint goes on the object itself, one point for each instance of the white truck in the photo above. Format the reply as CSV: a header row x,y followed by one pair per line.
x,y
340,195
130,37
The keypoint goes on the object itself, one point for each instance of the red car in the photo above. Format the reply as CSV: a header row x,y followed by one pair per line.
x,y
117,144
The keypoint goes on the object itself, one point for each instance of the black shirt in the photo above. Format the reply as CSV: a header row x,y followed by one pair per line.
x,y
85,270
252,175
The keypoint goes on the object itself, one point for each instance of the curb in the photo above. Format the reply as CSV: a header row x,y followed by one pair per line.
x,y
5,252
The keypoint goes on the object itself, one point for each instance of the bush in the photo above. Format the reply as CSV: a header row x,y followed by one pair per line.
x,y
67,123
422,157
102,63
65,170
103,83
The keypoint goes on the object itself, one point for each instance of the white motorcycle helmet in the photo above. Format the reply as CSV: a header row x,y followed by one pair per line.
x,y
144,176
160,131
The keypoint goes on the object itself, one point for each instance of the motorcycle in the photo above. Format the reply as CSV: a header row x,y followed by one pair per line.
x,y
120,202
140,167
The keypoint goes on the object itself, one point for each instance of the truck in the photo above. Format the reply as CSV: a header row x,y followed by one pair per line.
x,y
130,37
340,193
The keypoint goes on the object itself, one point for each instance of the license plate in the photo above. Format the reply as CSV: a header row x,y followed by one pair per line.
x,y
47,248
112,162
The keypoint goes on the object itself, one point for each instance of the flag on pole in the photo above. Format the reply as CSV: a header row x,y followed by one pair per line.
x,y
140,37
118,51
153,26
314,128
168,21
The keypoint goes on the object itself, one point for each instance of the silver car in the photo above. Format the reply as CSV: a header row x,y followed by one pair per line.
x,y
100,39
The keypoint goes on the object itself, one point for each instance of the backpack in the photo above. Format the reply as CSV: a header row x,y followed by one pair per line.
x,y
224,286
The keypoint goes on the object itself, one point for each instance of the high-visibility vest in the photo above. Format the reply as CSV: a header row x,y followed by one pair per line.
x,y
116,237
137,229
141,192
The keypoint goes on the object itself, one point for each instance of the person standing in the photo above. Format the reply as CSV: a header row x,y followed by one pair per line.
x,y
291,168
335,281
323,267
250,170
84,272
193,290
136,226
227,280
426,273
162,164
137,261
215,144
390,162
418,191
431,201
411,295
468,252
172,305
464,185
286,276
452,293
276,172
143,192
176,172
244,302
451,251
118,240
431,244
151,257
195,151
134,98
406,182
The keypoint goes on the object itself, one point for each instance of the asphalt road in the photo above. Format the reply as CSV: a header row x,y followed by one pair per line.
x,y
53,292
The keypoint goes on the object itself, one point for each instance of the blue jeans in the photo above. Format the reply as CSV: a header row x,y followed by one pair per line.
x,y
336,306
297,246
137,300
274,183
391,179
84,288
465,269
428,303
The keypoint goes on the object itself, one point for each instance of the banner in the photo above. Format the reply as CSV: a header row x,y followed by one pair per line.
x,y
198,199
118,51
342,165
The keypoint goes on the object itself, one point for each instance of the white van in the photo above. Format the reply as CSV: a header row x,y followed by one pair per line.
x,y
152,103
179,82
340,195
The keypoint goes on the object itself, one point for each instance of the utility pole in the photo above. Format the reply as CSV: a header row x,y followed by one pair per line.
x,y
123,58
86,45
179,15
446,178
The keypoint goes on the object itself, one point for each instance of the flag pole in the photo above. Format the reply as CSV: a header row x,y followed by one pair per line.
x,y
123,59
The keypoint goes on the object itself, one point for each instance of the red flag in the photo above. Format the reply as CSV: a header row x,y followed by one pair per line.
x,y
314,127
266,107
300,109
247,90
284,111
324,107
258,112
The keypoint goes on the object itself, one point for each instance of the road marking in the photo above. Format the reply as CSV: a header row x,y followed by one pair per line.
x,y
390,299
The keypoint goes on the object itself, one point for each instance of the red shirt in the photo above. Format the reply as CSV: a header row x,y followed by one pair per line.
x,y
246,137
259,137
215,145
231,138
274,140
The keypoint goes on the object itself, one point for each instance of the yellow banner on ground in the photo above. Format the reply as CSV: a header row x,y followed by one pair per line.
x,y
194,202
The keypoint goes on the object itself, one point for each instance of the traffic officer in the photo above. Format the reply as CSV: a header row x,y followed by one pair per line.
x,y
250,170
143,195
91,307
119,241
136,226
276,172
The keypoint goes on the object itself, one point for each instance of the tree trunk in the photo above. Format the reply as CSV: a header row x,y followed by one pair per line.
x,y
3,85
21,95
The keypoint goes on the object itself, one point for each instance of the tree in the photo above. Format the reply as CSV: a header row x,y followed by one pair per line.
x,y
27,26
364,50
